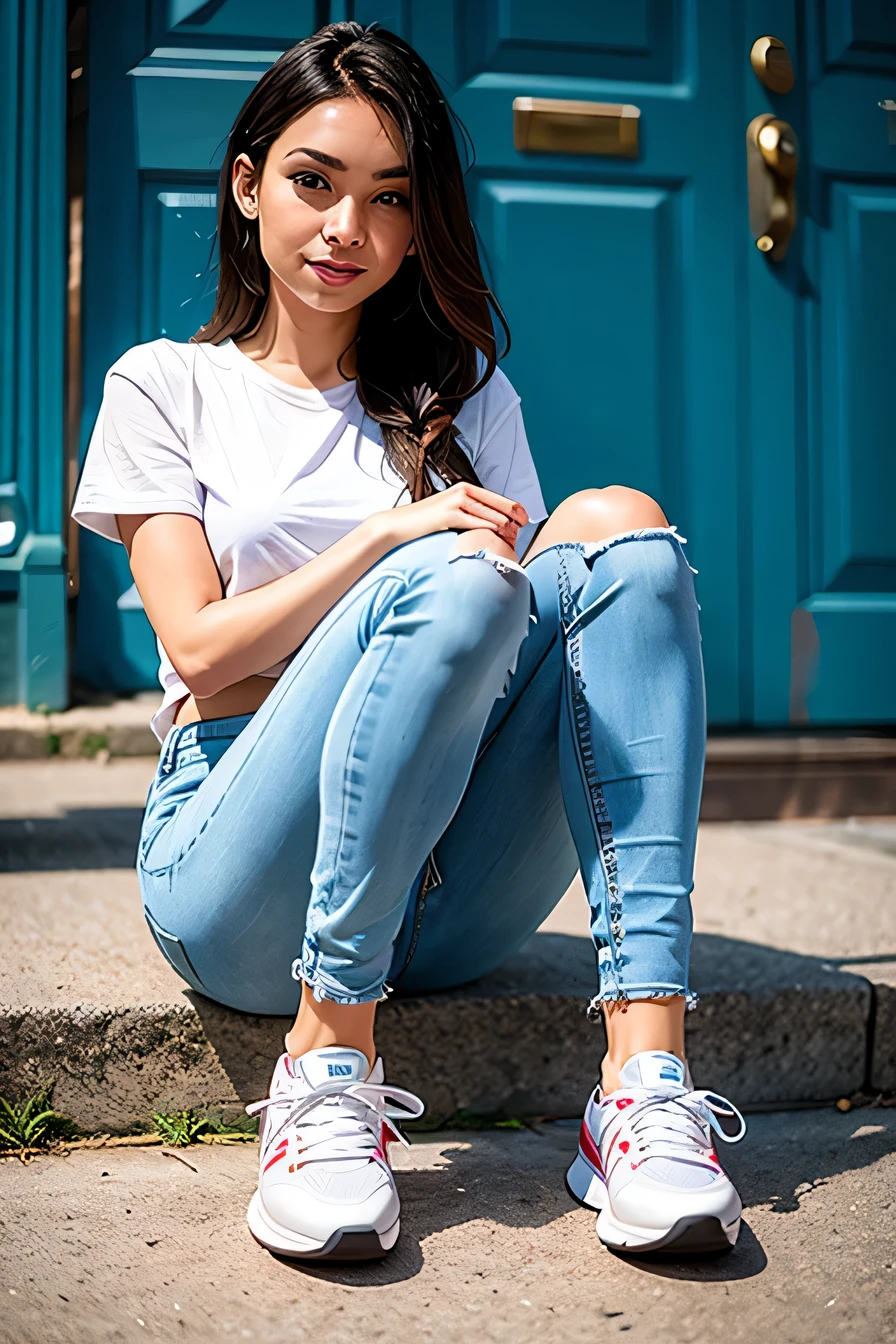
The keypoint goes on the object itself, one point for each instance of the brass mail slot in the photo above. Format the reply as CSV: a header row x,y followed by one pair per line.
x,y
568,126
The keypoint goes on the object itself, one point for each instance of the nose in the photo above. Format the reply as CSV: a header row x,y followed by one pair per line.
x,y
343,226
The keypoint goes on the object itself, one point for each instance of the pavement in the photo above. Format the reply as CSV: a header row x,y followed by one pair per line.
x,y
794,959
130,1245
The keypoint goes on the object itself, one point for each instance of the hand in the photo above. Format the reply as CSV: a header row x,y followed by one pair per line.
x,y
459,508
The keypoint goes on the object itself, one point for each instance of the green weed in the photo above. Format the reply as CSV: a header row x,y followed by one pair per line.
x,y
52,744
92,743
182,1128
33,1124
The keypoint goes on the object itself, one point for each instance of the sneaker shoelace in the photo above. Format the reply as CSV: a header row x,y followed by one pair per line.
x,y
350,1120
675,1125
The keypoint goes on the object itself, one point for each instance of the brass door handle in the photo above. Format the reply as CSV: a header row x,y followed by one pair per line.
x,y
772,159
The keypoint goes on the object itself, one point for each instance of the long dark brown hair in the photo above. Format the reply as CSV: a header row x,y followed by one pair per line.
x,y
420,336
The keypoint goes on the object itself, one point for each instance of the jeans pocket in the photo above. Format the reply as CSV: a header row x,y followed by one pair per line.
x,y
167,796
175,953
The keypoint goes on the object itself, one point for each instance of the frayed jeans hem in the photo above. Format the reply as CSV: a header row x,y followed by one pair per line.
x,y
324,986
641,994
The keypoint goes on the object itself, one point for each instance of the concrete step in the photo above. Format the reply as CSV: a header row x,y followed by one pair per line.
x,y
783,776
750,777
118,728
794,959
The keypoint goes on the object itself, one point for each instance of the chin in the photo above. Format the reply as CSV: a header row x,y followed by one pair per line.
x,y
332,303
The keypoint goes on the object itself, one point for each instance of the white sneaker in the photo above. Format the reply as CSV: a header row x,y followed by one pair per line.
x,y
325,1188
647,1162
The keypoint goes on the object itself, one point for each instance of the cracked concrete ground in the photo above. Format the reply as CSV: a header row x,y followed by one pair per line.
x,y
130,1245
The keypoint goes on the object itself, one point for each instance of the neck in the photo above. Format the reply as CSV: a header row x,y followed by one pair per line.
x,y
302,345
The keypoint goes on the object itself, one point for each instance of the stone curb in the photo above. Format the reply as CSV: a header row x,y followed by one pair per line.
x,y
120,729
124,730
748,778
495,1046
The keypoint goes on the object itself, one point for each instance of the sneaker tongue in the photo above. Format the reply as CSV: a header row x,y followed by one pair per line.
x,y
333,1064
652,1068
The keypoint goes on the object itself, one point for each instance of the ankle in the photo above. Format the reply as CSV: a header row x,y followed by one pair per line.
x,y
609,1075
321,1023
299,1042
612,1066
639,1025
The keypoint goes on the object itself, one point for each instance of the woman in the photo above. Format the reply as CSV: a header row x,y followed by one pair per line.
x,y
388,744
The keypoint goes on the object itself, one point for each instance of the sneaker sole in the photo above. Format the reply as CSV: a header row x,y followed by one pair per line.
x,y
356,1243
696,1234
585,1185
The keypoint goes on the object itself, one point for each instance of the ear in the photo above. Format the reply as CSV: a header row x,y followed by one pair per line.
x,y
244,186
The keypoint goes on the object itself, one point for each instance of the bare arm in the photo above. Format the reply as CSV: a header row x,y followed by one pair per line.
x,y
214,643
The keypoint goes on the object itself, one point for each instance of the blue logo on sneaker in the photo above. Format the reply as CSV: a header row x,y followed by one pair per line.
x,y
339,1070
670,1073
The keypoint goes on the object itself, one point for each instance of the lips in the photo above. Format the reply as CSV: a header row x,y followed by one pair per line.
x,y
335,272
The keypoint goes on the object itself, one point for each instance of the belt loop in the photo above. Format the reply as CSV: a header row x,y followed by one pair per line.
x,y
167,762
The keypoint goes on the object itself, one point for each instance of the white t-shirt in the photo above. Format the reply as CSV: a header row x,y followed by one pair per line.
x,y
274,473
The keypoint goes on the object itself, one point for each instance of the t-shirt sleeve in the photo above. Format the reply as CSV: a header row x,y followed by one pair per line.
x,y
492,431
137,460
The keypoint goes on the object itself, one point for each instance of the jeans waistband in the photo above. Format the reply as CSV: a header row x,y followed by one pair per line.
x,y
189,735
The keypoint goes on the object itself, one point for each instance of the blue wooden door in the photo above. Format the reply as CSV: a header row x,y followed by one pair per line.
x,y
652,343
821,405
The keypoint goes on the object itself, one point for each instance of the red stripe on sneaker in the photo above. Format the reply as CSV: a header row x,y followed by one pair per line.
x,y
276,1157
387,1135
589,1148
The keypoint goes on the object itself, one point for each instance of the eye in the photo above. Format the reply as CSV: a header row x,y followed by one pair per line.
x,y
392,198
310,181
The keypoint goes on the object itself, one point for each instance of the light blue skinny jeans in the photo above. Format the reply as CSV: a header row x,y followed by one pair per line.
x,y
452,741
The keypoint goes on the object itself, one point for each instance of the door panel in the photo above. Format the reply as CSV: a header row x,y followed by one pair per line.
x,y
611,361
859,486
184,104
858,33
596,38
282,21
178,282
850,595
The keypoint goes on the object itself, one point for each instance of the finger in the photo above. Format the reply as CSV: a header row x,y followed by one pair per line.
x,y
510,507
465,522
508,530
482,511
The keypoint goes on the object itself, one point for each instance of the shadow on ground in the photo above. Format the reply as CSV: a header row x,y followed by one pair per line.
x,y
527,1194
89,837
519,1184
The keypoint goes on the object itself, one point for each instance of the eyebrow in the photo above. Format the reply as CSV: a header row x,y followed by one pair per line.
x,y
398,170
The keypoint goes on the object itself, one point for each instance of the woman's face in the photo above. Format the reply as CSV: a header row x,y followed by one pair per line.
x,y
332,205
